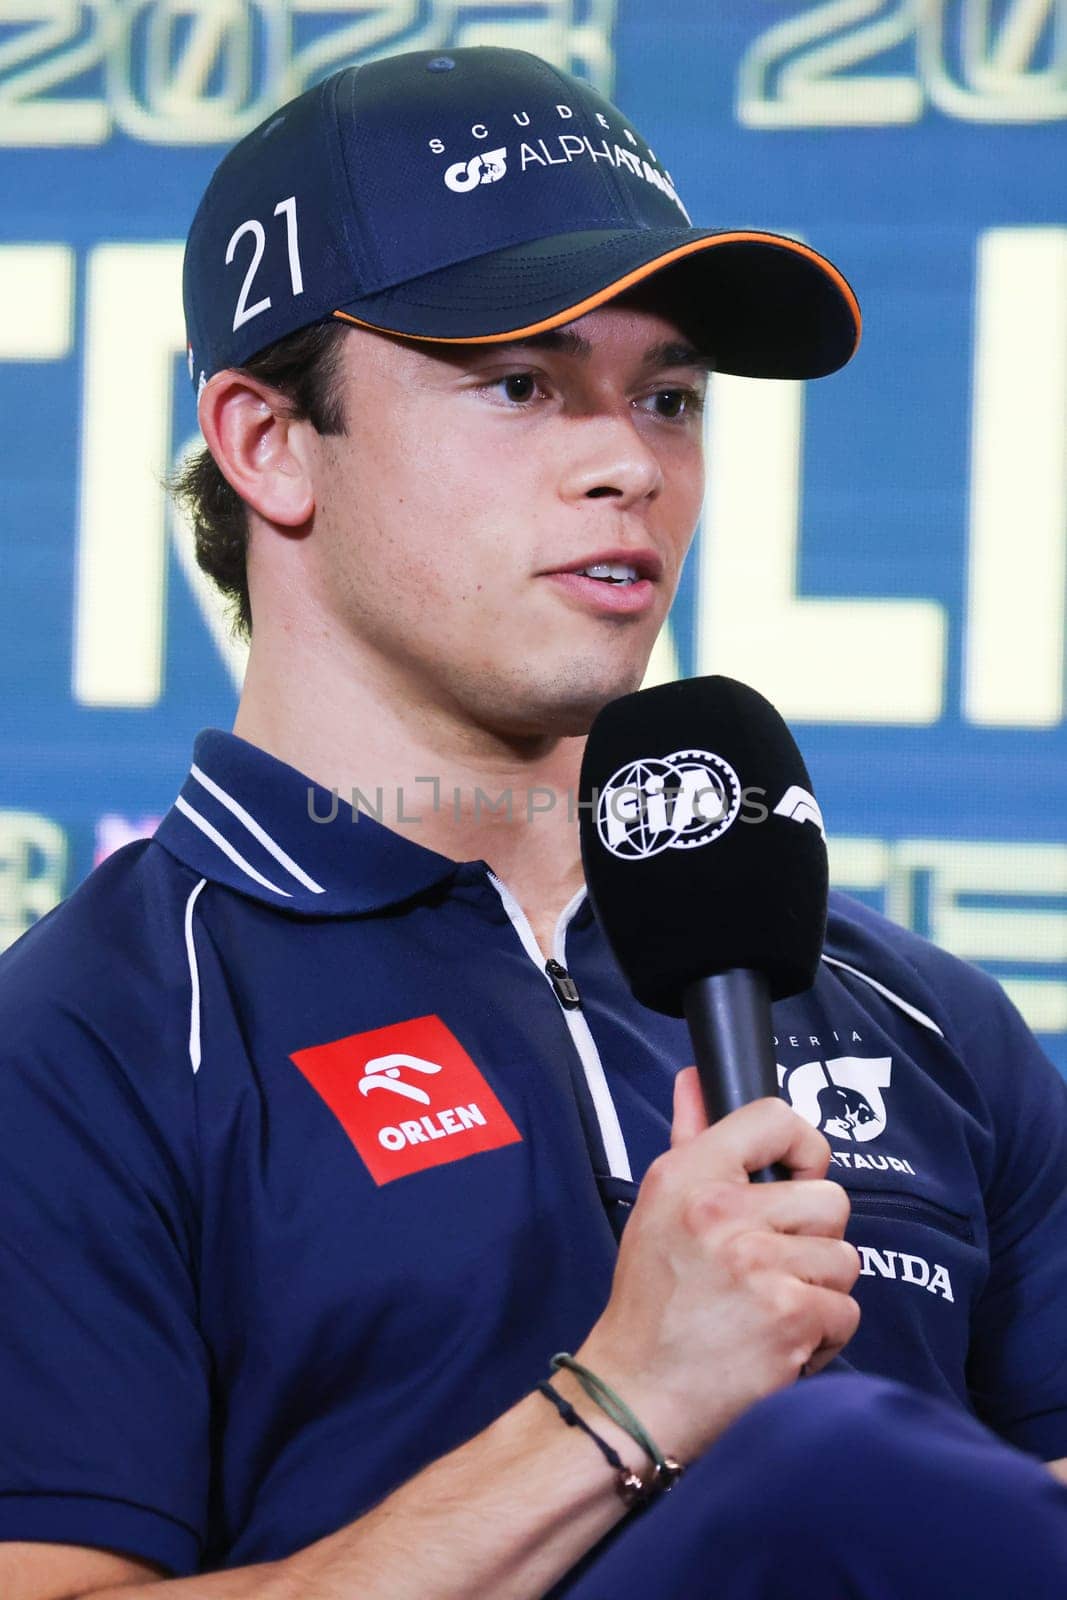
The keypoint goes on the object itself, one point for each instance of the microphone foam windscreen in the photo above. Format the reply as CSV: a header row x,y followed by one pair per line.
x,y
702,841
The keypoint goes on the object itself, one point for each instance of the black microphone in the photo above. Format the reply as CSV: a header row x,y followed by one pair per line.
x,y
705,859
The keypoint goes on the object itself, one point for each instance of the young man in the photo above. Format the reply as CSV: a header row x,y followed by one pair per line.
x,y
321,1130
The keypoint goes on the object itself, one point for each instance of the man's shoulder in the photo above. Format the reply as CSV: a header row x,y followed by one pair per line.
x,y
117,939
855,929
950,994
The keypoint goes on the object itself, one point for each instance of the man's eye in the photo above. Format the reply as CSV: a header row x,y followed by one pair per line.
x,y
519,386
674,403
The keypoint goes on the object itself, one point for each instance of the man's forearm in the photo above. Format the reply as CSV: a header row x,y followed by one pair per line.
x,y
503,1516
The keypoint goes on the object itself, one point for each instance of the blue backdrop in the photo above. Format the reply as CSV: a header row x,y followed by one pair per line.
x,y
882,552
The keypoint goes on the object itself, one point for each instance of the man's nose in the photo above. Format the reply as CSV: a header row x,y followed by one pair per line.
x,y
610,460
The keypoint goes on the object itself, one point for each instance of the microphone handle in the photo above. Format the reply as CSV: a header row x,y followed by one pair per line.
x,y
729,1017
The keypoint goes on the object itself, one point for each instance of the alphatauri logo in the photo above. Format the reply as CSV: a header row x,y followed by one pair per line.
x,y
842,1097
488,167
408,1096
673,802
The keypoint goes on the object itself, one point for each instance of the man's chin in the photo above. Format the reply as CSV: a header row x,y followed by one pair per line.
x,y
567,707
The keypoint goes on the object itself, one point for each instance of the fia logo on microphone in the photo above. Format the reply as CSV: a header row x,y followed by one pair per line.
x,y
674,802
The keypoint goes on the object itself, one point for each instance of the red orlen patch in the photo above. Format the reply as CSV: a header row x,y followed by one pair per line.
x,y
408,1096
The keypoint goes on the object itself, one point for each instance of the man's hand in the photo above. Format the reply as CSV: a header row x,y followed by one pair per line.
x,y
725,1290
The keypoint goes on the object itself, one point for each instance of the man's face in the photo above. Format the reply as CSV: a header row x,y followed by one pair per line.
x,y
473,481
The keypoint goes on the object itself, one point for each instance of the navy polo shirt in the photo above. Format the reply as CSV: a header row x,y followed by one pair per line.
x,y
309,1161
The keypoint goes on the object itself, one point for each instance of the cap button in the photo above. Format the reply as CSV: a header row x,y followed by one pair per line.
x,y
440,64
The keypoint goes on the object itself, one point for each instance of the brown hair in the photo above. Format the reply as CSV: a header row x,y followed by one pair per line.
x,y
303,368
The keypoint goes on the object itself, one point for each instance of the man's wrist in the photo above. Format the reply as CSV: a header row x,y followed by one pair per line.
x,y
625,1446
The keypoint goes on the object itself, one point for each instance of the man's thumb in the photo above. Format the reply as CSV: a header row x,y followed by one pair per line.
x,y
690,1118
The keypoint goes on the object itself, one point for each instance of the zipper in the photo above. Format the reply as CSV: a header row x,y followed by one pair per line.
x,y
871,1204
564,985
566,991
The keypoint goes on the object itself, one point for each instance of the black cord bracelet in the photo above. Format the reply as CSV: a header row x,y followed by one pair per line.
x,y
630,1486
573,1420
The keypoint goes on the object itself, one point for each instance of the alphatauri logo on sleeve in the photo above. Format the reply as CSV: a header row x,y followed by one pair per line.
x,y
408,1096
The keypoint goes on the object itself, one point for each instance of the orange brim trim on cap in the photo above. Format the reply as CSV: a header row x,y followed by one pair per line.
x,y
638,275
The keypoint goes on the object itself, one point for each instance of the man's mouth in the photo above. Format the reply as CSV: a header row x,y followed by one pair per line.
x,y
611,588
619,567
609,572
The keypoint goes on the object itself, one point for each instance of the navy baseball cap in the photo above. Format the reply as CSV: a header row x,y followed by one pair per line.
x,y
474,196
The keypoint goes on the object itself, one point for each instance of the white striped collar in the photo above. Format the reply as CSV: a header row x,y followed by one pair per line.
x,y
247,820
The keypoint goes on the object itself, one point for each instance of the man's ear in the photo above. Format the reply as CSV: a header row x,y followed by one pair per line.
x,y
261,451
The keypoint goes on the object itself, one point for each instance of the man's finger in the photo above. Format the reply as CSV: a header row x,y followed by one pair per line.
x,y
828,1263
815,1207
758,1135
690,1117
841,1318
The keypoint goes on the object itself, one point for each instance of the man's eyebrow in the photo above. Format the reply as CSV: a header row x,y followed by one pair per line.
x,y
671,353
675,353
572,344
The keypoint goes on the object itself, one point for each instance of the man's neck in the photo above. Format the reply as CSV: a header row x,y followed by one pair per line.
x,y
443,783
